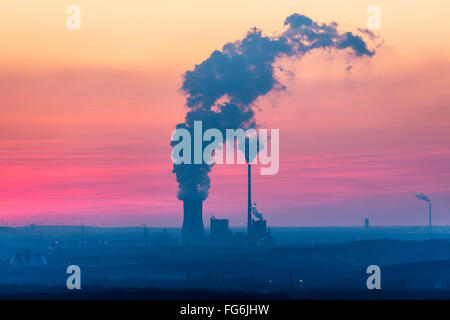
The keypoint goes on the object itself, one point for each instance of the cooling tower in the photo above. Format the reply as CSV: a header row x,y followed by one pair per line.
x,y
192,232
429,215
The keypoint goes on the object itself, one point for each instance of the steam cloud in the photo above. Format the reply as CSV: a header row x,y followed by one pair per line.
x,y
423,197
222,89
256,213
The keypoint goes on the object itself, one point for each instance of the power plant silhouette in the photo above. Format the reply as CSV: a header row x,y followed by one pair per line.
x,y
193,231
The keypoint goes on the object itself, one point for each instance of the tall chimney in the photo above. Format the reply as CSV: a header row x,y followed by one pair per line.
x,y
192,231
249,205
429,215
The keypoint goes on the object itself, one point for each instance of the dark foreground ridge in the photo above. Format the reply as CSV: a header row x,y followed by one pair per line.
x,y
314,263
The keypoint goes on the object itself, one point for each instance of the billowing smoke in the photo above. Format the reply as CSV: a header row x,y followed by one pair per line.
x,y
222,89
256,213
423,197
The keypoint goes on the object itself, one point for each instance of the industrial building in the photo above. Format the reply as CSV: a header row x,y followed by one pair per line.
x,y
193,233
257,233
220,231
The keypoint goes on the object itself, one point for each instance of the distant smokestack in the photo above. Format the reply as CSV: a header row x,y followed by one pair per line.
x,y
192,231
424,197
249,205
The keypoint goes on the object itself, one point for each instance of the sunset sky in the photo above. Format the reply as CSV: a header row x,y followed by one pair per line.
x,y
86,115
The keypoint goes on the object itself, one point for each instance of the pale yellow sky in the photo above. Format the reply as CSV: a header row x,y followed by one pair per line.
x,y
174,35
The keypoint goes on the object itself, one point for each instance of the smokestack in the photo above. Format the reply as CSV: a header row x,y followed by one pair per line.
x,y
424,197
192,231
429,217
249,205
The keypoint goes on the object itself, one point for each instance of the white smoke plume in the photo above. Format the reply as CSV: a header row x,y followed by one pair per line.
x,y
221,90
